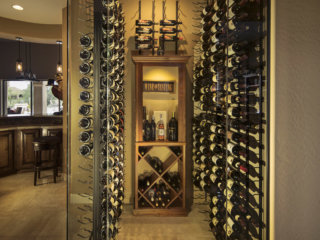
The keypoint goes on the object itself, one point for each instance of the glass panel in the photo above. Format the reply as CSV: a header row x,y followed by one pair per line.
x,y
19,98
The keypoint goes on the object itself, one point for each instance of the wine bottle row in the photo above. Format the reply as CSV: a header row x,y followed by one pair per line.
x,y
112,116
227,96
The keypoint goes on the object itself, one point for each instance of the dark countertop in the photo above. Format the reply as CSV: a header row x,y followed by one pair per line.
x,y
22,122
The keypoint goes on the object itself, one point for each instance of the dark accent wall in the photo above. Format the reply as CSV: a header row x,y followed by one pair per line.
x,y
44,59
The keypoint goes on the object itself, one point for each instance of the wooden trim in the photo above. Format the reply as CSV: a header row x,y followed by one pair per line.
x,y
158,59
160,143
182,104
139,102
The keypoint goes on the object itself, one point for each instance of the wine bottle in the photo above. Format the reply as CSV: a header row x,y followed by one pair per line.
x,y
86,83
86,136
144,38
236,150
145,46
144,123
173,129
147,129
85,122
169,22
236,47
151,194
237,163
145,31
147,179
161,130
86,96
236,112
169,30
170,38
86,110
86,55
208,9
141,183
86,42
153,129
86,68
145,23
86,149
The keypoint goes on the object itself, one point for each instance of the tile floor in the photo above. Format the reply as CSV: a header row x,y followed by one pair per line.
x,y
32,212
39,213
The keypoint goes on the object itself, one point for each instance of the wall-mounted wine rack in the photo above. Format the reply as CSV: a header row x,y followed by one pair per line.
x,y
230,134
163,37
101,124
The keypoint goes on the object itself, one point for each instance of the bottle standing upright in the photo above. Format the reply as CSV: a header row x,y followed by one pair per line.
x,y
173,129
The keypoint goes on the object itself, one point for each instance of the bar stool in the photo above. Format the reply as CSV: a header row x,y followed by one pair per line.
x,y
41,144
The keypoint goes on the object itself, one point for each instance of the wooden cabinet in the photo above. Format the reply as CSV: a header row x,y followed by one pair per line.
x,y
158,71
27,152
16,136
7,165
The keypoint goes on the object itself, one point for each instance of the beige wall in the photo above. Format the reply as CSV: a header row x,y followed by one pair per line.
x,y
296,131
130,8
30,32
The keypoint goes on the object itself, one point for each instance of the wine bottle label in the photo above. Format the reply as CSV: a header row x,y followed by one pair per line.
x,y
194,150
203,158
236,217
215,221
229,135
215,78
213,177
228,229
194,135
230,110
202,148
212,137
201,139
161,133
213,48
213,128
230,65
202,90
230,222
230,183
215,210
215,6
202,166
204,11
194,173
202,175
230,160
214,38
111,213
215,199
194,143
212,146
202,98
215,168
231,14
230,51
215,159
202,184
231,25
230,146
194,158
229,193
215,17
229,205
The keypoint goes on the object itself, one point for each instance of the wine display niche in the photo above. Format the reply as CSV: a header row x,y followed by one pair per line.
x,y
160,159
230,124
98,177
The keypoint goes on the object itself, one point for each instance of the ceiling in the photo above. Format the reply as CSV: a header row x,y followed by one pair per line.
x,y
35,11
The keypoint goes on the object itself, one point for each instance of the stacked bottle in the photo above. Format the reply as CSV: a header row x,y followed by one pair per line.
x,y
112,117
227,93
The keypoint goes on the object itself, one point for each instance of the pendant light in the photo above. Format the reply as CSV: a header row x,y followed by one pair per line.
x,y
59,65
19,68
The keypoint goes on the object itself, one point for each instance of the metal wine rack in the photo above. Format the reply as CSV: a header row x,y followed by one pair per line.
x,y
248,217
101,153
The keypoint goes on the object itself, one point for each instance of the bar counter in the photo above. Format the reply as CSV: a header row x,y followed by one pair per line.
x,y
16,136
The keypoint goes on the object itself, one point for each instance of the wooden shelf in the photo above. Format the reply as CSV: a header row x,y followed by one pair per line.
x,y
176,206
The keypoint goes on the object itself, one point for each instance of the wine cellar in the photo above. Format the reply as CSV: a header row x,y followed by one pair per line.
x,y
196,138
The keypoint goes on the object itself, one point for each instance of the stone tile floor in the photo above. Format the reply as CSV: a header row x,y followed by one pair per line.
x,y
40,213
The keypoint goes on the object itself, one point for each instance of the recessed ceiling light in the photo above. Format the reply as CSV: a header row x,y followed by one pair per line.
x,y
17,7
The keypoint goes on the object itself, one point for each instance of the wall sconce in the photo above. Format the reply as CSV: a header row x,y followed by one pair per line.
x,y
59,65
19,67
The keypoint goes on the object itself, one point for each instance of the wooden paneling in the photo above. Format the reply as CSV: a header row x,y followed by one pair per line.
x,y
27,152
6,150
